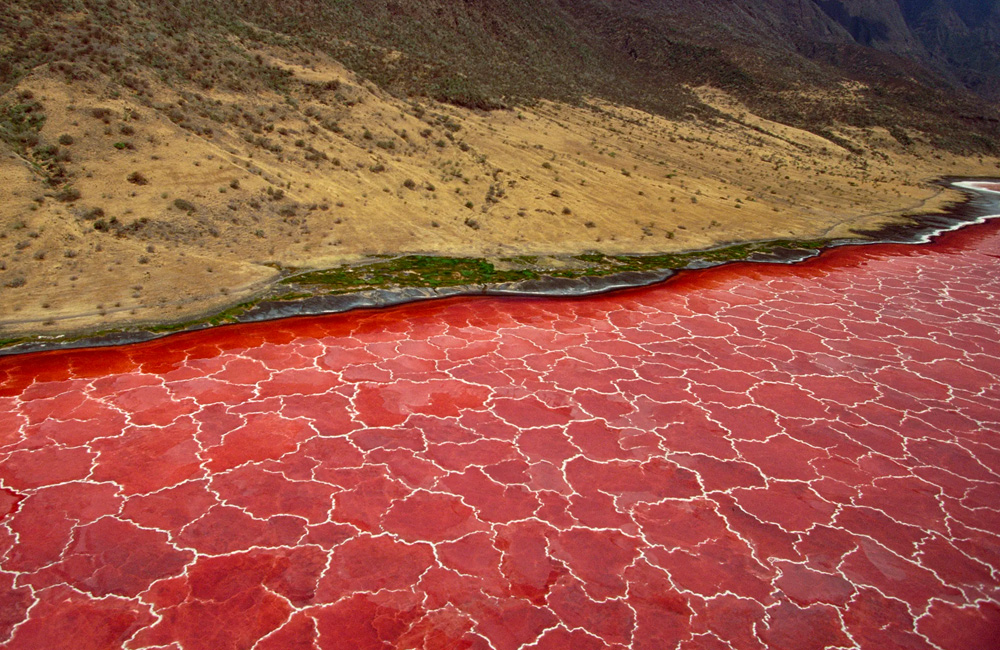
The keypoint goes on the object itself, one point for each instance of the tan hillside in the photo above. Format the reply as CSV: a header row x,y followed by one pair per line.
x,y
168,204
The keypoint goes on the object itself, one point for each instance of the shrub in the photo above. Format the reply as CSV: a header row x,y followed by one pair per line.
x,y
47,151
555,193
68,194
187,206
409,184
138,178
66,139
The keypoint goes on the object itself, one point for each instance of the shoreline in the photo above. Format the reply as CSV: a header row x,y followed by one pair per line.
x,y
982,202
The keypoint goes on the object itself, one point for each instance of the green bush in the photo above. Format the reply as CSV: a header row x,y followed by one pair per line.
x,y
187,206
68,194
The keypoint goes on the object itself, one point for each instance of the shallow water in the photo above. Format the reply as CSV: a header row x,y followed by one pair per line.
x,y
749,456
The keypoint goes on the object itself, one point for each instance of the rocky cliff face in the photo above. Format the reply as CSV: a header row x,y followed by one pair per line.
x,y
958,39
961,38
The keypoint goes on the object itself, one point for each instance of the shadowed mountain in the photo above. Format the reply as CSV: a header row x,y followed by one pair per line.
x,y
914,60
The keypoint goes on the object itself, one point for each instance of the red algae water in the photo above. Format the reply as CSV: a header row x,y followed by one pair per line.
x,y
752,456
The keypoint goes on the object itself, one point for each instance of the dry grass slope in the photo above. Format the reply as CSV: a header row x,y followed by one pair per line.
x,y
171,201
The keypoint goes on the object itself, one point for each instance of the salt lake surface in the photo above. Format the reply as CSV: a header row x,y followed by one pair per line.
x,y
751,456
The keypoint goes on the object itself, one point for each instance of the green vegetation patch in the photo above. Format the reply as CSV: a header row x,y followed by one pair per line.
x,y
20,124
431,271
409,271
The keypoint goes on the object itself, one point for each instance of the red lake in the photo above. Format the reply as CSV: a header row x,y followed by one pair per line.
x,y
751,456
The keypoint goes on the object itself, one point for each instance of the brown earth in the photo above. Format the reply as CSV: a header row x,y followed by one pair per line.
x,y
193,201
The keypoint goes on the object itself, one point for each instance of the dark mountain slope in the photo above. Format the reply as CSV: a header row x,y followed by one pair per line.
x,y
908,62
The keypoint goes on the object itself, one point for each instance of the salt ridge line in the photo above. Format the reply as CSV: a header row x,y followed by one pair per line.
x,y
752,457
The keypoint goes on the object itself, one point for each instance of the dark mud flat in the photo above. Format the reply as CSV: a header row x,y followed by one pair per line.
x,y
921,229
375,298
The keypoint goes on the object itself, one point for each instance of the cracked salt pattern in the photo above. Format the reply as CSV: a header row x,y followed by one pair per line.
x,y
745,457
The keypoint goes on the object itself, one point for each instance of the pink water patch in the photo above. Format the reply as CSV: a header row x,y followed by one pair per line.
x,y
745,457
